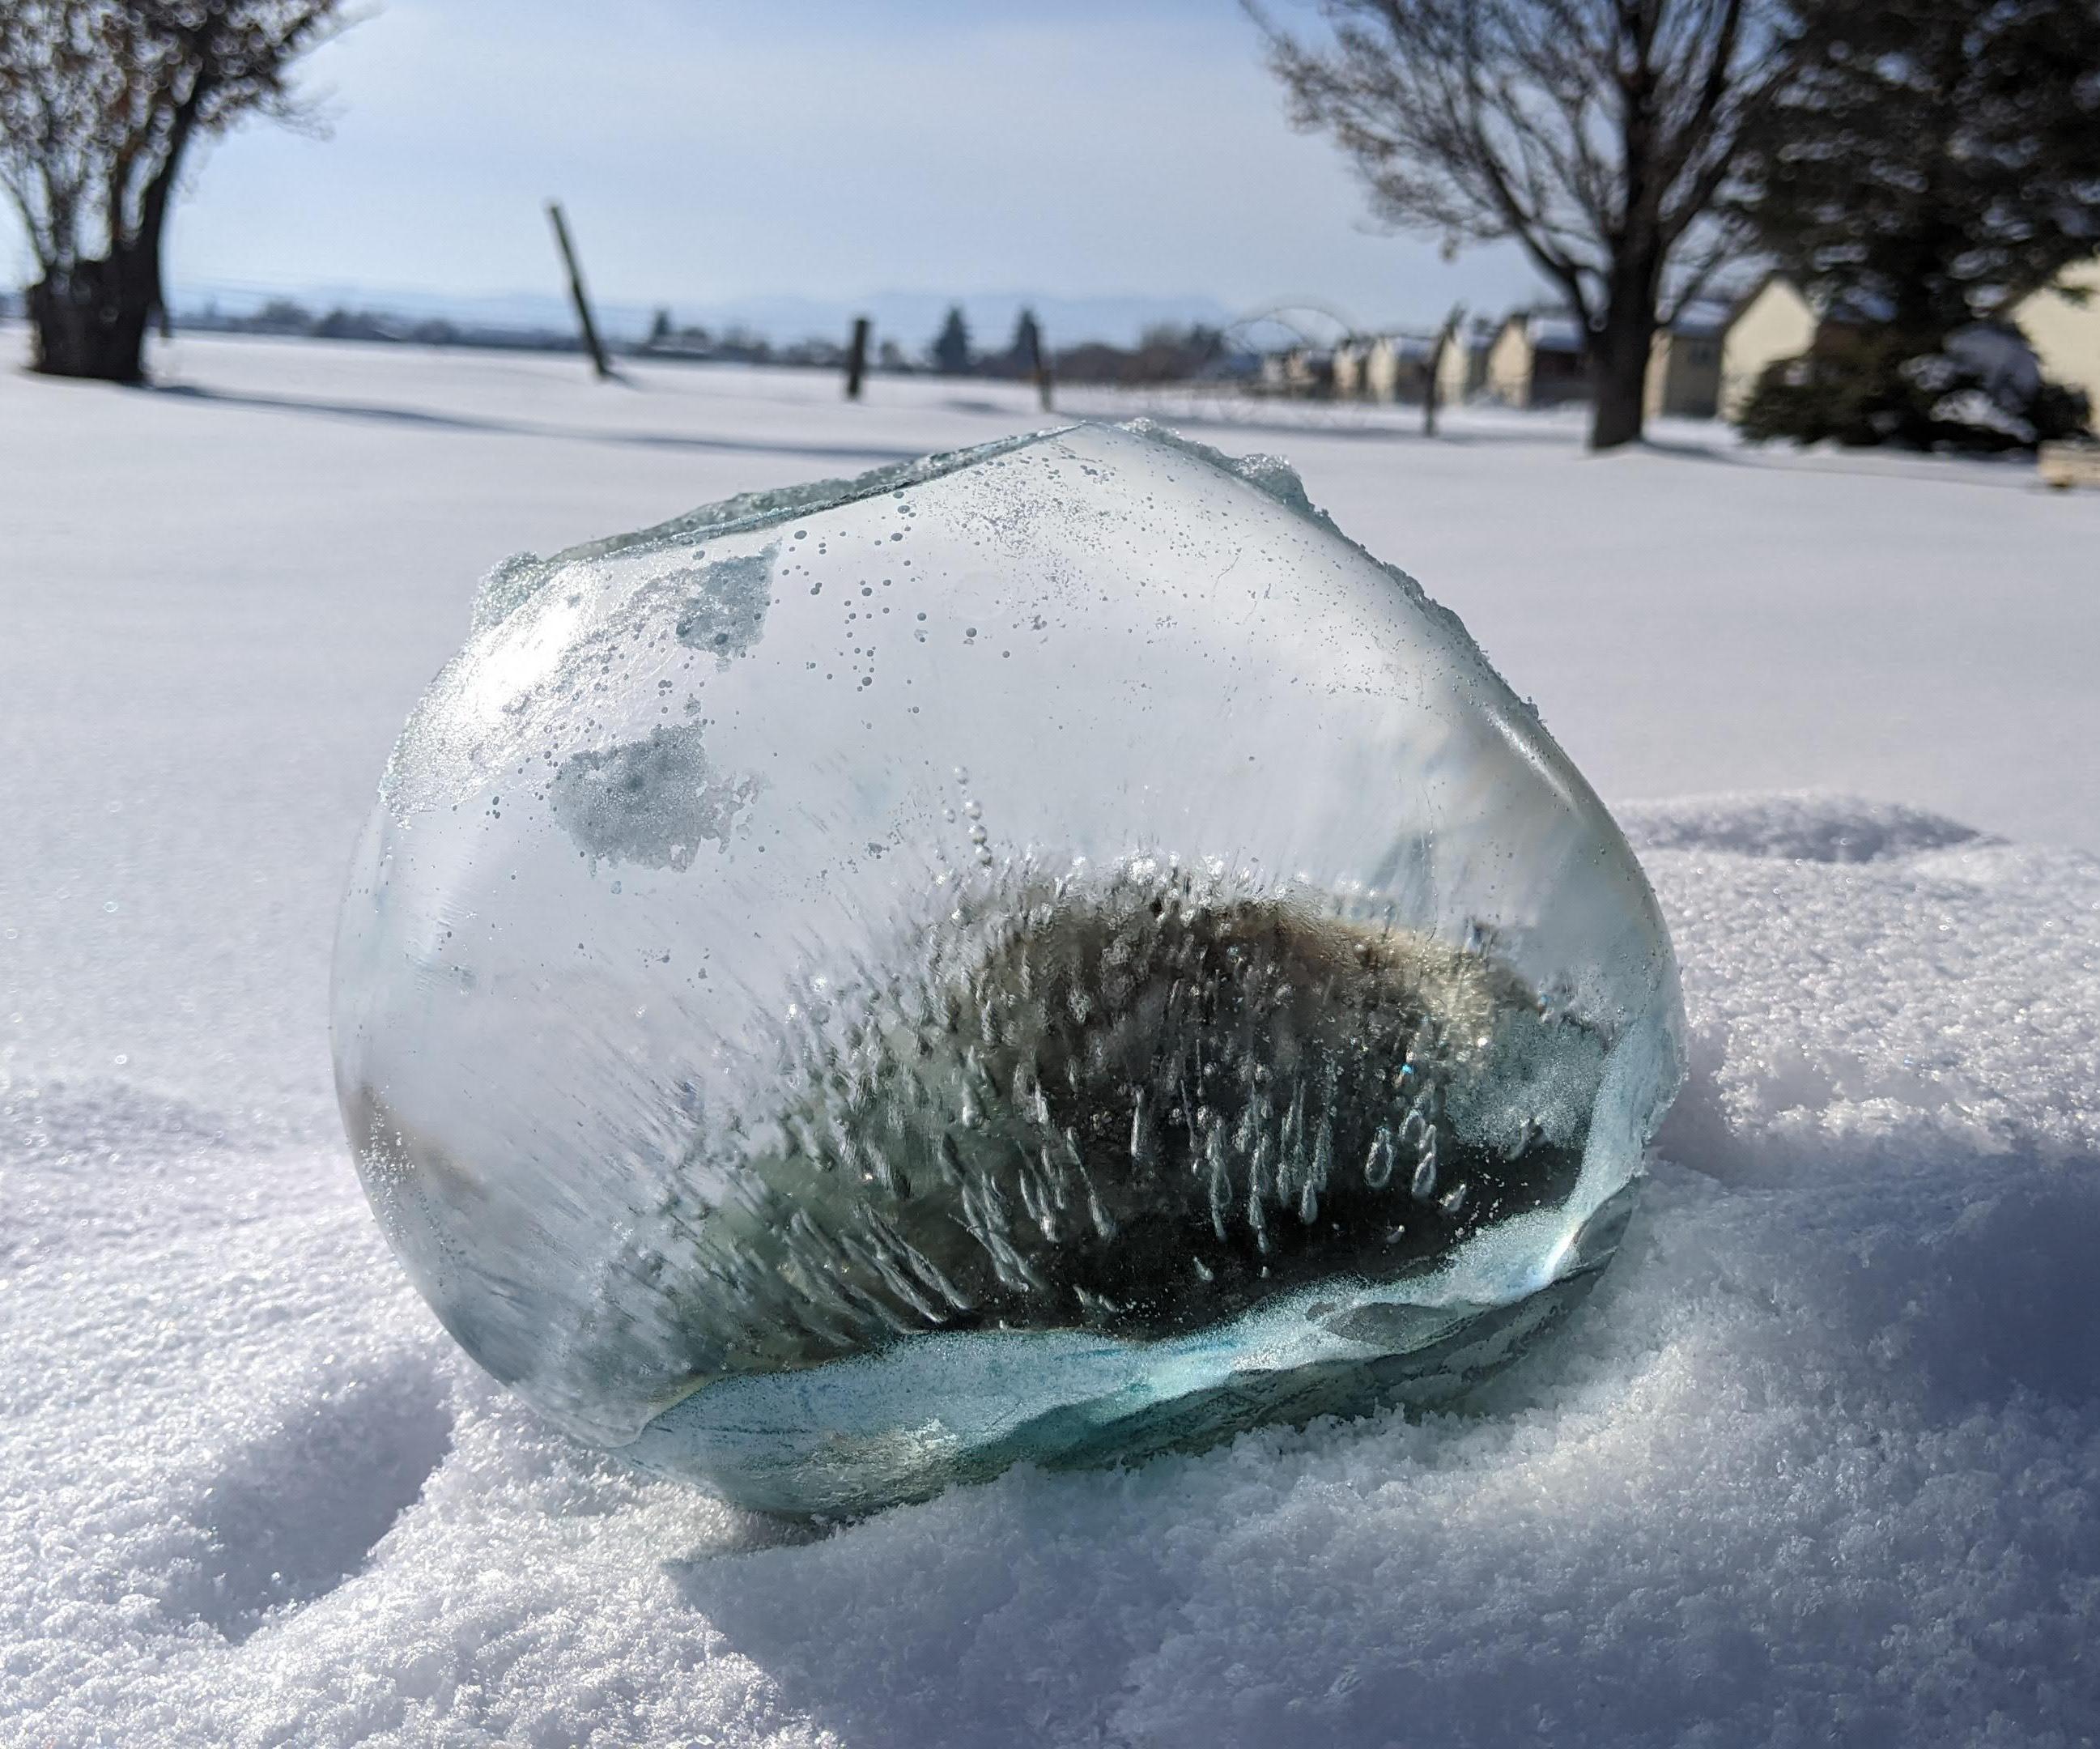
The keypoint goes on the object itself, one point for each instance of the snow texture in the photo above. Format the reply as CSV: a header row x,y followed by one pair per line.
x,y
1819,1461
1809,829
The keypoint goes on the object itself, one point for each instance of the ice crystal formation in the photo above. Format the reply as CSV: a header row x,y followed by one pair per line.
x,y
1047,952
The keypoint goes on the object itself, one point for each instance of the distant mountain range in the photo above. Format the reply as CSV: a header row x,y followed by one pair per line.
x,y
910,318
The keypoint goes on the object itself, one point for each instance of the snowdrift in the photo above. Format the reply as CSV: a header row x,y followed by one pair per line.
x,y
1821,1457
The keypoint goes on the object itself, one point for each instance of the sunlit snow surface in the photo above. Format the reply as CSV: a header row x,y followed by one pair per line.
x,y
1818,1460
1047,952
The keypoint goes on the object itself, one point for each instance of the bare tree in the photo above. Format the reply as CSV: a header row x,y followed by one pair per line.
x,y
1598,134
100,100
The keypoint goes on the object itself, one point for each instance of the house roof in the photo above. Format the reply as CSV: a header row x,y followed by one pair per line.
x,y
1703,318
1862,308
1415,343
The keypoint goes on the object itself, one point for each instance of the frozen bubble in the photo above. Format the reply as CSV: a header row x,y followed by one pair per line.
x,y
1082,1136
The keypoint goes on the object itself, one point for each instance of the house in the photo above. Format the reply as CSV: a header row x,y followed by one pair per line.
x,y
1350,358
1710,359
1536,360
1384,368
1684,363
1299,371
1775,321
2065,334
1463,372
1398,367
1705,362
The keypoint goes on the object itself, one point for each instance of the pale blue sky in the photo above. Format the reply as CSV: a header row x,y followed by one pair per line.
x,y
714,150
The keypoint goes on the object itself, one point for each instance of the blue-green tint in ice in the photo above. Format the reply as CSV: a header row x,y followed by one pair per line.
x,y
944,1408
1050,953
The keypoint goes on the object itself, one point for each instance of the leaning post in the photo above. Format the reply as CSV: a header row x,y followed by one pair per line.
x,y
591,342
857,358
1041,366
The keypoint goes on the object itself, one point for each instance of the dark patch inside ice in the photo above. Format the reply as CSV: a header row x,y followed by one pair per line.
x,y
652,802
722,611
1135,1115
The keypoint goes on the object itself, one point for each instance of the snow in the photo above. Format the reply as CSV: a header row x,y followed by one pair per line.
x,y
1820,1460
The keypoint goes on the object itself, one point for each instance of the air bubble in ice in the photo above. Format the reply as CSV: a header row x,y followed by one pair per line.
x,y
1276,1032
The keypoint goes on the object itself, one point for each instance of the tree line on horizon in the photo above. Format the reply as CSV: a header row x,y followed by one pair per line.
x,y
1932,161
1165,352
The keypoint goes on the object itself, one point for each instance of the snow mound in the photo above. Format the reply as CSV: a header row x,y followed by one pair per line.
x,y
1799,827
1820,1459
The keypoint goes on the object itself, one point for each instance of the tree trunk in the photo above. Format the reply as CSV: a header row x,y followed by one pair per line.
x,y
1618,362
1616,383
91,321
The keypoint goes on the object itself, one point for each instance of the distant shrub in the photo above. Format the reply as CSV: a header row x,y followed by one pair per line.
x,y
1979,391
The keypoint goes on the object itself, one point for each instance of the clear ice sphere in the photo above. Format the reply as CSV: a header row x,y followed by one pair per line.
x,y
1049,953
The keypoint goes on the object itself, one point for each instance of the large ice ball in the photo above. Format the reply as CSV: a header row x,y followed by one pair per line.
x,y
1047,952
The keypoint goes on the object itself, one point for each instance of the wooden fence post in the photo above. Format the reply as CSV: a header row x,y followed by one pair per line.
x,y
1042,367
857,358
591,343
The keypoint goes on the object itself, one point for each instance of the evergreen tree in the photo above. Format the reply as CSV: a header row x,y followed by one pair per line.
x,y
951,348
1936,160
1027,351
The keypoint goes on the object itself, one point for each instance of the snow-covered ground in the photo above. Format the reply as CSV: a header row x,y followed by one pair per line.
x,y
1820,1462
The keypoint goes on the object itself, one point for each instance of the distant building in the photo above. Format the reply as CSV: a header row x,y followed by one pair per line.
x,y
1536,360
1773,322
1463,372
1350,358
1684,363
1777,321
1710,360
1712,350
1383,367
1398,367
2065,334
1299,371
